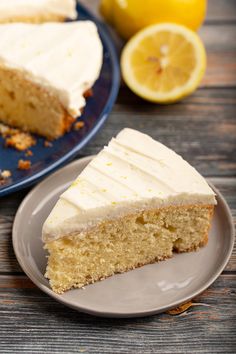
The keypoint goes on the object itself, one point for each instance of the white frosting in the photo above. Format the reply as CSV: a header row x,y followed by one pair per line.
x,y
28,8
132,173
65,58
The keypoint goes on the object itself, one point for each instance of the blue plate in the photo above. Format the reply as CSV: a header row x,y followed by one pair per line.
x,y
47,159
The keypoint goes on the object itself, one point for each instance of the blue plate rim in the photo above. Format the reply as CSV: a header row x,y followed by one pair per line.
x,y
103,31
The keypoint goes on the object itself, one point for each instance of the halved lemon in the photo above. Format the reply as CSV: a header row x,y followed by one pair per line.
x,y
163,63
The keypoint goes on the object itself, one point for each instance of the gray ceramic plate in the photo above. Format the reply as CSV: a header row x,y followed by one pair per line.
x,y
143,291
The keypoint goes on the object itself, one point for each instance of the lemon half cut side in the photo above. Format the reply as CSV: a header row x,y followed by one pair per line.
x,y
163,63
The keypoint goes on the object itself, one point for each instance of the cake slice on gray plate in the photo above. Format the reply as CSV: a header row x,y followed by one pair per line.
x,y
135,203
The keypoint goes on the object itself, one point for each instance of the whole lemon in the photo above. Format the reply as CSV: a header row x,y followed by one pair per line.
x,y
130,16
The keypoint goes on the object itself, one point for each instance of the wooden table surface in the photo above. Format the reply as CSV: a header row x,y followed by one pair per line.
x,y
202,128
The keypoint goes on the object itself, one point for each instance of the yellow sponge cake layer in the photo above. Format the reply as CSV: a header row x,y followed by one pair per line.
x,y
124,244
33,19
29,106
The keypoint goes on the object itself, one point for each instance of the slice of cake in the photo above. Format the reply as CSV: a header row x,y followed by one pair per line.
x,y
135,203
45,71
36,11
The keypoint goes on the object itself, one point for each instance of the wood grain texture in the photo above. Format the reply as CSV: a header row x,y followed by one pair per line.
x,y
203,129
43,325
221,11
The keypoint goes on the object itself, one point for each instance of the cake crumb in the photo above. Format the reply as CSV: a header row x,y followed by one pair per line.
x,y
20,141
29,153
15,138
6,131
78,125
180,309
88,93
4,176
24,164
48,143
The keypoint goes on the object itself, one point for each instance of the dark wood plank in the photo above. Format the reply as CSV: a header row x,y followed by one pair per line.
x,y
219,39
42,325
8,208
228,188
201,128
221,11
221,53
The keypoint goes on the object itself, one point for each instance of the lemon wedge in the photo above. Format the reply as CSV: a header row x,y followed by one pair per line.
x,y
163,63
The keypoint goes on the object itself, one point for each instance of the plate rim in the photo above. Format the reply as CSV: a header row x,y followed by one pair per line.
x,y
111,314
106,37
